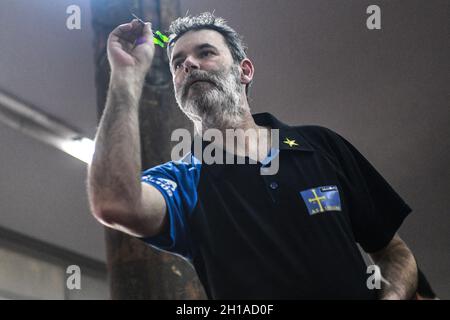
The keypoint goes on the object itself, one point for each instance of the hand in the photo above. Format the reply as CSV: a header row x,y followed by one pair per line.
x,y
130,48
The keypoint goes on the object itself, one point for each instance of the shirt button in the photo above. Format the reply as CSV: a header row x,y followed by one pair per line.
x,y
273,185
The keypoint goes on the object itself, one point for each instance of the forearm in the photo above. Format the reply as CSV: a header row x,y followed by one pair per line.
x,y
114,174
399,268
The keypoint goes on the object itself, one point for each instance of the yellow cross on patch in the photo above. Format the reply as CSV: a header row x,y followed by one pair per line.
x,y
317,199
289,142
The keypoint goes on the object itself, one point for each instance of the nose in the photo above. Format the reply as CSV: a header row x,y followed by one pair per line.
x,y
189,64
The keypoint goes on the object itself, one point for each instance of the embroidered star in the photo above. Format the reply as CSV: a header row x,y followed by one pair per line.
x,y
289,142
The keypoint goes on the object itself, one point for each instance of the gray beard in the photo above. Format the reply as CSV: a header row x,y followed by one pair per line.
x,y
217,107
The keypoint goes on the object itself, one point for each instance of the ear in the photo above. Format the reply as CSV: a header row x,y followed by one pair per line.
x,y
248,70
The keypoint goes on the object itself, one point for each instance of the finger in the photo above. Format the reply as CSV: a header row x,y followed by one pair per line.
x,y
120,33
127,32
146,35
136,24
122,29
147,30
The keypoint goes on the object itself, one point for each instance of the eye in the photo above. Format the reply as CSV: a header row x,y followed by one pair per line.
x,y
176,65
206,53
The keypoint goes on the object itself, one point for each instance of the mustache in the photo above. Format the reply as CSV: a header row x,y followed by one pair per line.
x,y
198,75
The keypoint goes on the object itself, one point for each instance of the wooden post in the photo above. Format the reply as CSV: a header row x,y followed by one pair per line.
x,y
136,270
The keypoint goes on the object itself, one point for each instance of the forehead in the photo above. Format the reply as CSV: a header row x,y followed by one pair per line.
x,y
192,39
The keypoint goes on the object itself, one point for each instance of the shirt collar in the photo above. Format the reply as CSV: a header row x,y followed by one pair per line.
x,y
289,138
286,134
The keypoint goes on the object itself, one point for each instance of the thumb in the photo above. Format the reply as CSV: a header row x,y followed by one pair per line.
x,y
147,34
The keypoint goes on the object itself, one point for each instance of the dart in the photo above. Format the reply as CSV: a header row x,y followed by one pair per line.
x,y
158,38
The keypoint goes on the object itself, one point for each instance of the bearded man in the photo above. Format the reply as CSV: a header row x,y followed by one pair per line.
x,y
292,234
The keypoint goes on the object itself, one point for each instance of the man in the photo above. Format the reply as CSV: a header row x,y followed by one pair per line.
x,y
292,234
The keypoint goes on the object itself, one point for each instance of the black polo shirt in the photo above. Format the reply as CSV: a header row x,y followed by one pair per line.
x,y
291,235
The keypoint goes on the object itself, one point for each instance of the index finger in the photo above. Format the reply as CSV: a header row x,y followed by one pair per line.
x,y
122,29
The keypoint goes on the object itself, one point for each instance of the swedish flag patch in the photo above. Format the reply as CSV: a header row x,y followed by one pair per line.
x,y
321,199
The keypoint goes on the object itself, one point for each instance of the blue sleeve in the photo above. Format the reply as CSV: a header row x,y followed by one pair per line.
x,y
177,181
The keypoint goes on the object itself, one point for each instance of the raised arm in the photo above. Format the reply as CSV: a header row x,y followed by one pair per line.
x,y
117,197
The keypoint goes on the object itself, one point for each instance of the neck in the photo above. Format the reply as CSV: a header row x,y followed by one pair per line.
x,y
245,137
253,141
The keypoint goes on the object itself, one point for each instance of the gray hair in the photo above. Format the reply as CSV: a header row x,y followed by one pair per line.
x,y
207,20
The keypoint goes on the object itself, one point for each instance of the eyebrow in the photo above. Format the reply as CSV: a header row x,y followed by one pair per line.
x,y
199,47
